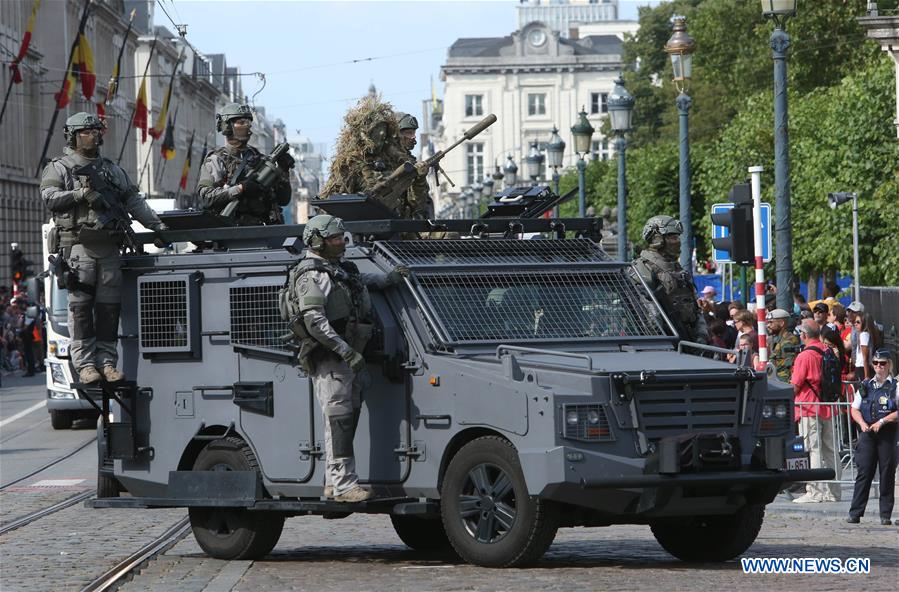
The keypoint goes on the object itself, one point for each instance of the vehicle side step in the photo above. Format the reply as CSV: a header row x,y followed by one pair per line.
x,y
386,505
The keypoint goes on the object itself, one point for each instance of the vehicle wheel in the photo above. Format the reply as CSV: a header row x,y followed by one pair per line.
x,y
487,513
233,533
710,538
421,534
107,485
60,420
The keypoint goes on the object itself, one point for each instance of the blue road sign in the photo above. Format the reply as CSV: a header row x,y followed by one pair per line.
x,y
720,232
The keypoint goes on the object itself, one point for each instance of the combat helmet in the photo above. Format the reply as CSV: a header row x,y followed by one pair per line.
x,y
78,122
406,121
321,227
230,112
658,226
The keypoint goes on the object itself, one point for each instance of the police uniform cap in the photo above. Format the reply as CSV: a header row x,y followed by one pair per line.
x,y
882,354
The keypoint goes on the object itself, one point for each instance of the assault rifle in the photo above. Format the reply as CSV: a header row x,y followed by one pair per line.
x,y
266,172
394,187
111,214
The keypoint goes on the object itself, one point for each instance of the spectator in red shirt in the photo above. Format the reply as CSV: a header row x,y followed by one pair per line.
x,y
816,424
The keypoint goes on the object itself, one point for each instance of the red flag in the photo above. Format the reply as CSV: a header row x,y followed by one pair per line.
x,y
26,41
159,127
85,64
68,86
140,110
101,110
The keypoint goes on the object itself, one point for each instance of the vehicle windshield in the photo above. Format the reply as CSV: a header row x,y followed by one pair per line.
x,y
567,305
59,300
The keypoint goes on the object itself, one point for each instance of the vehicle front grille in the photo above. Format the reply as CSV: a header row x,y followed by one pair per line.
x,y
668,410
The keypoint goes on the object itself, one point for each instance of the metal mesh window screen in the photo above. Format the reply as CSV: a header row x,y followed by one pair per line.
x,y
564,305
164,316
255,317
493,251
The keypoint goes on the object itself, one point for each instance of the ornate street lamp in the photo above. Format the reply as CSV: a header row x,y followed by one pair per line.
x,y
534,163
497,177
681,48
583,140
487,187
621,108
779,11
555,151
511,172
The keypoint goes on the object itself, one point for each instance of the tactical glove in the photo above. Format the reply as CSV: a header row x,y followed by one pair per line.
x,y
355,360
251,188
396,275
94,199
160,242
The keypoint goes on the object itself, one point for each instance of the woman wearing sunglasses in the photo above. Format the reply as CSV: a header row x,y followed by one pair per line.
x,y
874,410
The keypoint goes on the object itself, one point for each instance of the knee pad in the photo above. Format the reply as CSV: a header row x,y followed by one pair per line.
x,y
82,320
342,432
107,321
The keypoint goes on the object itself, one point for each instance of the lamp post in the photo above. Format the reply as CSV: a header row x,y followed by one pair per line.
x,y
621,108
497,177
476,190
487,187
511,172
583,138
779,11
534,163
681,47
833,200
555,150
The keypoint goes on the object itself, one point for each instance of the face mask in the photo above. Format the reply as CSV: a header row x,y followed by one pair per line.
x,y
333,251
672,248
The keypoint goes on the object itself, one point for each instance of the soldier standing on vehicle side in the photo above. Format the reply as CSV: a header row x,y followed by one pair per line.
x,y
420,205
672,284
91,250
783,343
330,312
225,175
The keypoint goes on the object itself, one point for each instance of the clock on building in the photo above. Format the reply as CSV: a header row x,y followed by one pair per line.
x,y
537,37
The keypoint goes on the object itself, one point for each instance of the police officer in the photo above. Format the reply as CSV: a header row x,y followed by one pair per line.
x,y
672,284
90,247
419,200
226,174
333,319
874,410
784,344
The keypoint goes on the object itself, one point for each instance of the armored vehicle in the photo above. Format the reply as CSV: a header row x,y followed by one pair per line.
x,y
517,386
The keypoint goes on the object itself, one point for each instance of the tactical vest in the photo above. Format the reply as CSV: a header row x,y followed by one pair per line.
x,y
879,402
347,307
676,282
249,211
79,216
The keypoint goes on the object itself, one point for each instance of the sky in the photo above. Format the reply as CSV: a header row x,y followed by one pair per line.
x,y
319,57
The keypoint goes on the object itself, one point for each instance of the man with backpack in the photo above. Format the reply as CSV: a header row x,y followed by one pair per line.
x,y
813,383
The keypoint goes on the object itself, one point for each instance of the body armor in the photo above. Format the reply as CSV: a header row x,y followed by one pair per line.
x,y
675,281
878,402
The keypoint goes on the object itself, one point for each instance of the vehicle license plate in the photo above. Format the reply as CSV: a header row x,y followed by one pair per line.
x,y
797,463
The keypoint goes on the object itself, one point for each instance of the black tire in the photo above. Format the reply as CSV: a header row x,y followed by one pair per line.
x,y
421,534
488,516
233,533
710,538
107,485
60,420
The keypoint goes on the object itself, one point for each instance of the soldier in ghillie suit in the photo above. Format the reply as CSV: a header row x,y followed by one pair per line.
x,y
368,150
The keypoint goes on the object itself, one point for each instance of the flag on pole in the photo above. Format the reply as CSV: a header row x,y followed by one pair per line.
x,y
168,142
68,85
185,170
203,153
85,65
159,127
117,69
26,41
140,110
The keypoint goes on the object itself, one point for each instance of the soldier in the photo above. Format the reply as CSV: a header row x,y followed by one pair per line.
x,y
330,312
226,174
672,285
368,151
783,343
419,200
90,241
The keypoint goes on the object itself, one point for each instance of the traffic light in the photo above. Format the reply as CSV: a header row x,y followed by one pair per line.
x,y
18,264
739,242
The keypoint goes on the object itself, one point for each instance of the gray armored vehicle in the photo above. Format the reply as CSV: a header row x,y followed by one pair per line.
x,y
518,386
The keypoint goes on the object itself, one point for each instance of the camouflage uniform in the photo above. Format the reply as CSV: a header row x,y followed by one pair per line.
x,y
418,199
218,186
783,360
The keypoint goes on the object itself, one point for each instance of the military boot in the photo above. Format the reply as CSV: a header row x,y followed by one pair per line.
x,y
356,494
111,374
89,374
328,492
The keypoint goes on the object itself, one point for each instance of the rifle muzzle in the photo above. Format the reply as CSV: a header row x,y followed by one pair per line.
x,y
480,126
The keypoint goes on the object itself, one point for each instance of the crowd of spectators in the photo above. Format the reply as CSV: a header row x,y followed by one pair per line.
x,y
22,335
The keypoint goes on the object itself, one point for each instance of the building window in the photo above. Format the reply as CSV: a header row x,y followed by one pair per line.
x,y
536,104
602,149
599,103
475,159
474,105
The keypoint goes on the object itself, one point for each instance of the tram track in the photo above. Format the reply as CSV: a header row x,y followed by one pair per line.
x,y
29,518
55,461
120,573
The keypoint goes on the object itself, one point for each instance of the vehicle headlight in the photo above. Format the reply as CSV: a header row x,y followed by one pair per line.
x,y
57,374
780,411
571,418
593,417
767,411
